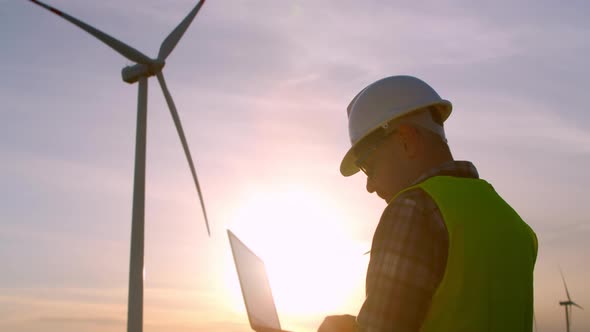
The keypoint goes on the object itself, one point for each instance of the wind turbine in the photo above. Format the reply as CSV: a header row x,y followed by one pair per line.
x,y
567,304
144,68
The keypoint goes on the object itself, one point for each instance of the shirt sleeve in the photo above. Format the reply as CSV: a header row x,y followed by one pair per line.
x,y
408,258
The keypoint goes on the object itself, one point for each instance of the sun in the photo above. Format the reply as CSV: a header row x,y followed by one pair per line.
x,y
313,264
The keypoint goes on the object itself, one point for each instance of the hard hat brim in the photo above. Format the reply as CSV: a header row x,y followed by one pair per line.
x,y
348,165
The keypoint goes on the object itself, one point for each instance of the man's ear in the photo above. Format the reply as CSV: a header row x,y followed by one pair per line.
x,y
410,140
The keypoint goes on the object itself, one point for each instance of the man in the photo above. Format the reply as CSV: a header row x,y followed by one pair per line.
x,y
448,253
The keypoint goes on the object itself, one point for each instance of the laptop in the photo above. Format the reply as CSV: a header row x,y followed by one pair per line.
x,y
256,292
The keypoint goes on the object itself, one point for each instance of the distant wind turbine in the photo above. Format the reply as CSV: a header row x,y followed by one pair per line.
x,y
567,304
144,68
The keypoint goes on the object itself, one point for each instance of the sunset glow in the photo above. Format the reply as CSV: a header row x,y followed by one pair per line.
x,y
312,265
262,88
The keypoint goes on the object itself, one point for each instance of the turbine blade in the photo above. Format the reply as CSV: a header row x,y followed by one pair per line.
x,y
170,42
564,284
575,304
187,152
123,49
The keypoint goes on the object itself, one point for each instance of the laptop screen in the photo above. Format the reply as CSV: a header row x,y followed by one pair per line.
x,y
256,291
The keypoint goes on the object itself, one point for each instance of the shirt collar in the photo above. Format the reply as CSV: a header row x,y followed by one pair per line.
x,y
457,168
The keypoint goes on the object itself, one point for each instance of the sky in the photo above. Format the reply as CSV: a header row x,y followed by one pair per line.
x,y
262,89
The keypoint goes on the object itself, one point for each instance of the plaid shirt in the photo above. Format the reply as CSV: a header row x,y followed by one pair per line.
x,y
408,258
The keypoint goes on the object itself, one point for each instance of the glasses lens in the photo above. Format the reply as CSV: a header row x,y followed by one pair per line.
x,y
362,161
365,170
370,146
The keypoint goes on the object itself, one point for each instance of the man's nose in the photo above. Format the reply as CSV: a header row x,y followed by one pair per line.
x,y
370,185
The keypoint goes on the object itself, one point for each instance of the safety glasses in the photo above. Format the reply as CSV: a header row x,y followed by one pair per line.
x,y
365,162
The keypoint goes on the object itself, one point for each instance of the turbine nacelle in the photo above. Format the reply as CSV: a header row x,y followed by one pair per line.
x,y
566,303
132,74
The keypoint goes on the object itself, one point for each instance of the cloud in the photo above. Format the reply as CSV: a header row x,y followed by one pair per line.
x,y
98,308
67,175
511,121
262,89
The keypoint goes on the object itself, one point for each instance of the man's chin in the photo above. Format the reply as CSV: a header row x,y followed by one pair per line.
x,y
385,196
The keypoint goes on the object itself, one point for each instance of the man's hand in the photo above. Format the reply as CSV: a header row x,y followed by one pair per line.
x,y
340,323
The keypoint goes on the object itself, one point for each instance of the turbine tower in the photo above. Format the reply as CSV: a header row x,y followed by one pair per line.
x,y
567,304
144,68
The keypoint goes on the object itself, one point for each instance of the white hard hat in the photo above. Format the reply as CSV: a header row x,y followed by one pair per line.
x,y
384,101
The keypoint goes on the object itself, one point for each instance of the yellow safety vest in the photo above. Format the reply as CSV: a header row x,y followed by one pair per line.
x,y
488,281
